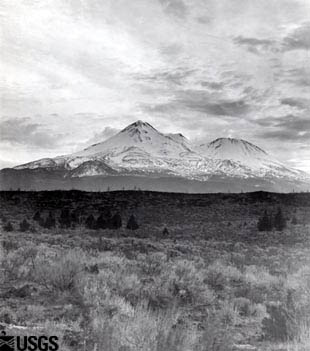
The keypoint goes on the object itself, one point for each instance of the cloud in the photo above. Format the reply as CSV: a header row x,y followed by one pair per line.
x,y
298,39
6,163
175,8
298,76
176,76
255,45
296,102
204,19
99,137
212,85
21,131
175,63
289,128
203,102
285,135
171,49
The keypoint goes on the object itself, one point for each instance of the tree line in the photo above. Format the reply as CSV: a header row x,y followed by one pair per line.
x,y
268,221
70,219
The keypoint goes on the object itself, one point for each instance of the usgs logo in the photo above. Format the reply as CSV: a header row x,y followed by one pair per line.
x,y
28,343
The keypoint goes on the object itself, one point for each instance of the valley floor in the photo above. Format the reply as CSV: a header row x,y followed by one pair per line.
x,y
211,282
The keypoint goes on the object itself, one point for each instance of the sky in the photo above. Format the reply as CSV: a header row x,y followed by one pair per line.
x,y
75,72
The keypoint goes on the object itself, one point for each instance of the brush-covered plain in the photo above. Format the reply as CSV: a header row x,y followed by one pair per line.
x,y
194,272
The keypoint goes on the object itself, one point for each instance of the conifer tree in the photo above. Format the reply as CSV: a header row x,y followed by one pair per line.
x,y
8,227
101,222
65,218
264,222
165,232
24,226
50,221
90,222
37,216
279,220
116,221
74,217
108,218
132,223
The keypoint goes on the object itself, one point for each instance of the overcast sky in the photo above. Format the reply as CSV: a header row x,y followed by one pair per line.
x,y
73,72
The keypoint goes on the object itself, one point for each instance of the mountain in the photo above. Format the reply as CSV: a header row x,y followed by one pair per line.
x,y
141,156
237,157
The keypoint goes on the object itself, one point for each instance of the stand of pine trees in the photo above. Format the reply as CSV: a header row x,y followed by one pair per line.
x,y
68,219
104,221
267,222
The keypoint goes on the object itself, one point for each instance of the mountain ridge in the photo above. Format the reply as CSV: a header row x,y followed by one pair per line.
x,y
141,150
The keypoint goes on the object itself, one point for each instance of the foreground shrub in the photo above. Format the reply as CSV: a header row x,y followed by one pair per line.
x,y
61,273
18,263
183,281
279,325
141,329
219,276
215,337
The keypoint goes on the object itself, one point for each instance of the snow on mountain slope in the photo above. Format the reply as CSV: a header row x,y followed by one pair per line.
x,y
241,158
141,149
180,138
138,147
233,149
138,135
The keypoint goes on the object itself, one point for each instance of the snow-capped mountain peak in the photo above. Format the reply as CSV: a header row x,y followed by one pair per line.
x,y
231,148
139,136
179,137
138,126
140,149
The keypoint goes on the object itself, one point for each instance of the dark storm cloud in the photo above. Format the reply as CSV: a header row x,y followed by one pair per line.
x,y
23,132
298,38
175,8
204,102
